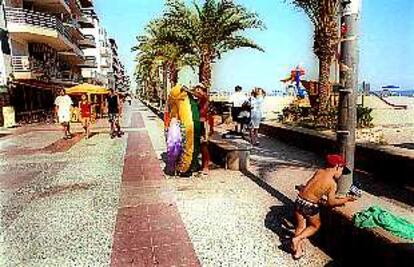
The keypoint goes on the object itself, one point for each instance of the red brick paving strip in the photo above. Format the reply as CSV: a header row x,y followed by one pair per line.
x,y
149,230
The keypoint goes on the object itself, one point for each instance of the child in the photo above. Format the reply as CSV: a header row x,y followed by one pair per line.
x,y
86,114
323,183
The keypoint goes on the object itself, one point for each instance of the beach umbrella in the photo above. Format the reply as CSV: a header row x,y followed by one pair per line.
x,y
86,88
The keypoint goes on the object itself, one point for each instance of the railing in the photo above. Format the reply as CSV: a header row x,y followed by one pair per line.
x,y
89,40
86,19
24,16
89,37
21,64
89,62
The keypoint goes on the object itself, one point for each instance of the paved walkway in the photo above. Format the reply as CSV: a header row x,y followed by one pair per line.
x,y
104,202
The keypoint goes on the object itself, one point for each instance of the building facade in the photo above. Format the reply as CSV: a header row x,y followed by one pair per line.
x,y
47,46
119,76
45,53
97,55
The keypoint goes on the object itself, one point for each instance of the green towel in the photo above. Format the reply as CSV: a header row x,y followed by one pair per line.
x,y
378,217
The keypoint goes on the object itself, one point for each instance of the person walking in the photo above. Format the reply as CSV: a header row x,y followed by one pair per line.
x,y
256,103
237,99
128,98
63,104
200,91
85,108
113,104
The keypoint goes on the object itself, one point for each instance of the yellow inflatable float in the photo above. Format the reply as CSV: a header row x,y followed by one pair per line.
x,y
183,107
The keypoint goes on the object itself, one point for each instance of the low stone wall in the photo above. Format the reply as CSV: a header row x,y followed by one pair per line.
x,y
393,165
361,247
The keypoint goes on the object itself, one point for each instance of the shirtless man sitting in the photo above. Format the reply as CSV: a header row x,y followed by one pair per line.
x,y
323,183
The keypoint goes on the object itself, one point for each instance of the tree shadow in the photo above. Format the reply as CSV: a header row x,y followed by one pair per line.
x,y
280,219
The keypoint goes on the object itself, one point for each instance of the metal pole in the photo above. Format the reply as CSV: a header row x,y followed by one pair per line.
x,y
347,119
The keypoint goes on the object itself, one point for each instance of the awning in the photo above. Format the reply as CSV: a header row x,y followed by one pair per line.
x,y
38,84
87,88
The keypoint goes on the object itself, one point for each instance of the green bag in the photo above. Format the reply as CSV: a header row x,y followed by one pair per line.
x,y
377,217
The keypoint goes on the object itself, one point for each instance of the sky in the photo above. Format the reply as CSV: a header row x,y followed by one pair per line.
x,y
386,42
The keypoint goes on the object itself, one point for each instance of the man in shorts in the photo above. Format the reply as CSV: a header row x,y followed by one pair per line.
x,y
237,99
63,105
113,104
323,183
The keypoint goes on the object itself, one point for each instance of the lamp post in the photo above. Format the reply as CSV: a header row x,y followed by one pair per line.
x,y
347,119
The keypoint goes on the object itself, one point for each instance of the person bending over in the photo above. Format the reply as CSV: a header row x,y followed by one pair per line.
x,y
322,184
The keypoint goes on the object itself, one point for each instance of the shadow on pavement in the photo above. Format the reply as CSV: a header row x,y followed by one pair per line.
x,y
332,264
280,219
405,145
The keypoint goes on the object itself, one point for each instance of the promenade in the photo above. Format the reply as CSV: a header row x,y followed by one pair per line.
x,y
106,202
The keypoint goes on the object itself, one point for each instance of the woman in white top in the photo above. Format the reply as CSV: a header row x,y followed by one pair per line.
x,y
237,99
256,102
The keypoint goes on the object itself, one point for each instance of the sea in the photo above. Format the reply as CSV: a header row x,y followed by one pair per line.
x,y
409,93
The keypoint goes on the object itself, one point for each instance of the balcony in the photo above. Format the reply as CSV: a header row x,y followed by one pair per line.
x,y
105,51
22,68
26,68
86,3
105,63
68,78
74,30
88,42
38,27
90,62
52,6
87,19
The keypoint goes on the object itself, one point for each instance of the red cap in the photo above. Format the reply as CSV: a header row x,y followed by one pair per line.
x,y
334,160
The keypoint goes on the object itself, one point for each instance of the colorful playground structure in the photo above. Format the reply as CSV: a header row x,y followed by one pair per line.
x,y
295,78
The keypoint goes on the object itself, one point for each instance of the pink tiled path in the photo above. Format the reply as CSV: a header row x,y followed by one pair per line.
x,y
149,230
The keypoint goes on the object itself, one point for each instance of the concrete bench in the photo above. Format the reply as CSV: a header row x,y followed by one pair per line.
x,y
232,154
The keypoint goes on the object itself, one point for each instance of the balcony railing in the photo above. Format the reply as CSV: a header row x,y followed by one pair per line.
x,y
21,64
37,19
90,62
88,41
86,21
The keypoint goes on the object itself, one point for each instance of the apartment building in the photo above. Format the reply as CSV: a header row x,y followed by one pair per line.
x,y
48,45
45,52
121,81
97,66
5,70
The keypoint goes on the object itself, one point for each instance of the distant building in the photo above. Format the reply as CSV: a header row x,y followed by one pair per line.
x,y
366,88
120,79
96,69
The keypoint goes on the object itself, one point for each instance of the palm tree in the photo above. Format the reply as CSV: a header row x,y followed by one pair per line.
x,y
210,30
324,17
145,71
155,50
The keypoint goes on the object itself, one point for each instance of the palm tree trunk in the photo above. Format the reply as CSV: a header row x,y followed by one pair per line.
x,y
324,87
164,84
173,74
205,68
